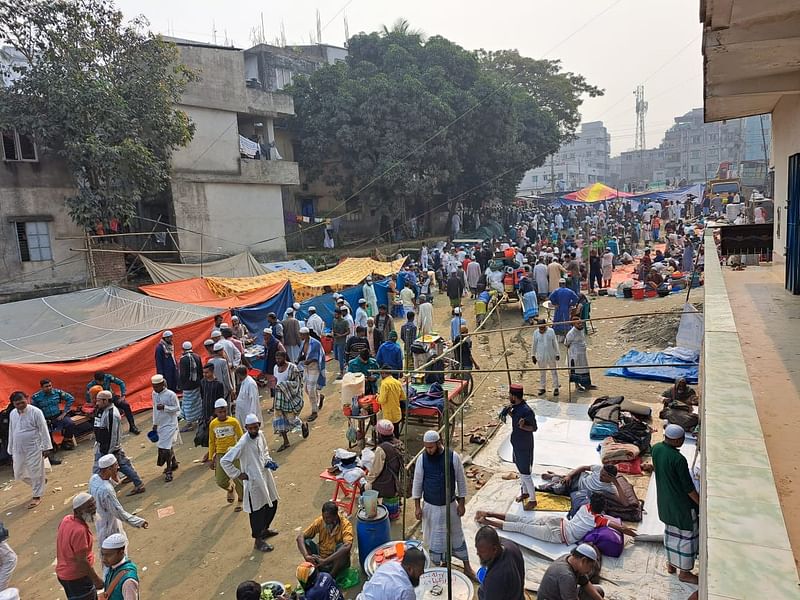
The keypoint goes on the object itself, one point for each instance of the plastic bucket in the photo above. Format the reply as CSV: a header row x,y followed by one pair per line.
x,y
371,533
369,502
638,293
327,344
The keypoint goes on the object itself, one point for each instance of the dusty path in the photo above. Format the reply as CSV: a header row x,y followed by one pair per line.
x,y
204,549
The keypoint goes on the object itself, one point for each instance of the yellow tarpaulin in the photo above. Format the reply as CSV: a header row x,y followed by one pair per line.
x,y
350,271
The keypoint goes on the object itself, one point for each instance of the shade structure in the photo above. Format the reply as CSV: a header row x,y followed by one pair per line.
x,y
592,194
196,291
240,265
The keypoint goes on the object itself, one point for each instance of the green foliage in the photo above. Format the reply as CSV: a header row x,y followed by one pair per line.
x,y
406,118
101,95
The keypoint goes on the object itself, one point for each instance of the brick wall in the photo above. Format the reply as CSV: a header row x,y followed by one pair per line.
x,y
109,267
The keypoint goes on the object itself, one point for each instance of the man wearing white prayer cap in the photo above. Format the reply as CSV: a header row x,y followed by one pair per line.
x,y
107,436
165,422
121,574
315,323
166,363
260,492
74,556
678,503
430,501
312,364
223,433
110,513
190,368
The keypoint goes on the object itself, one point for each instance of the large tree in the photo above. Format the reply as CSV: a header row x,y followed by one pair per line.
x,y
100,93
409,118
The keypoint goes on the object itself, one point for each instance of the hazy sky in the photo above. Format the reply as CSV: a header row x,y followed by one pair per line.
x,y
615,44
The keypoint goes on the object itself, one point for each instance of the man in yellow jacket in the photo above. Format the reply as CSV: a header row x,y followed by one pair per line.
x,y
390,394
223,433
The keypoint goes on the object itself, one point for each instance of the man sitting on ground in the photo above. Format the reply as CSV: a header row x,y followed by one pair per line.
x,y
331,553
567,578
679,392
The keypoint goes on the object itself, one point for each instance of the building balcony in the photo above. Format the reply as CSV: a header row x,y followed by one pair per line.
x,y
268,104
277,172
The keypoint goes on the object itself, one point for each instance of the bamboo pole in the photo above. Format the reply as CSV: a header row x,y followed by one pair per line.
x,y
505,356
145,251
448,497
538,369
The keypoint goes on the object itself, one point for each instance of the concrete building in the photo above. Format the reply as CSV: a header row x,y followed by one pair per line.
x,y
577,164
223,186
639,168
36,228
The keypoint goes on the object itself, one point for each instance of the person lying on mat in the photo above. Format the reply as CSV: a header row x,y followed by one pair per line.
x,y
588,478
555,528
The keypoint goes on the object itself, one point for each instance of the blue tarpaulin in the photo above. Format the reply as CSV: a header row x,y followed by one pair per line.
x,y
644,365
325,303
255,317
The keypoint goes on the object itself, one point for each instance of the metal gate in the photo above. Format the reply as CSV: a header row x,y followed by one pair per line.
x,y
793,227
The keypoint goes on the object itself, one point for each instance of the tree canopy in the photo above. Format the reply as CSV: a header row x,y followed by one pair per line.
x,y
408,118
100,94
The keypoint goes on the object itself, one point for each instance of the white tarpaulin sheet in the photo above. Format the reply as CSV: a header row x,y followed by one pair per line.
x,y
557,443
83,324
298,266
690,330
239,265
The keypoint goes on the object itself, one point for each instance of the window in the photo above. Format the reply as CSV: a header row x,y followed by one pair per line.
x,y
534,178
694,154
694,169
283,78
695,139
18,147
33,238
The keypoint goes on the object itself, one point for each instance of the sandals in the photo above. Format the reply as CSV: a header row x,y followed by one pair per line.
x,y
311,417
168,477
521,498
282,447
229,497
135,491
304,429
321,400
529,505
238,507
34,503
476,438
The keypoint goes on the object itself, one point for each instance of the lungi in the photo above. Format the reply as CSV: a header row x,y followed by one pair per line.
x,y
682,545
434,532
192,405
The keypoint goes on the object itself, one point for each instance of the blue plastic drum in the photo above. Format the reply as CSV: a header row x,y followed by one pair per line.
x,y
371,533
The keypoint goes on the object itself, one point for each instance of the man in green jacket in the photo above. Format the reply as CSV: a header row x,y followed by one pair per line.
x,y
121,574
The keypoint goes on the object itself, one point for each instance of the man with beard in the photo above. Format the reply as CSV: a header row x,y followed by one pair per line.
x,y
334,533
74,556
28,445
165,424
110,512
396,581
505,567
260,492
523,422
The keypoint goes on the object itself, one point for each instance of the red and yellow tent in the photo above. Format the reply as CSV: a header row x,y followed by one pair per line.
x,y
592,194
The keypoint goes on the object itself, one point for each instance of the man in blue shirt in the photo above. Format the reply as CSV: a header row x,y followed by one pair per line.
x,y
390,353
106,380
316,584
48,400
523,423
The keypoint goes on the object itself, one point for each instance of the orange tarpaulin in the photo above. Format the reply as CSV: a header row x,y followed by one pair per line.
x,y
196,291
597,192
134,364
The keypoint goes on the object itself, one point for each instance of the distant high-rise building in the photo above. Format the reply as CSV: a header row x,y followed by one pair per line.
x,y
581,162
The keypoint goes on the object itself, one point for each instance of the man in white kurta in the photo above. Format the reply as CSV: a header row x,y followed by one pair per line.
x,y
260,492
545,354
165,423
28,444
577,357
473,275
429,486
368,290
110,513
541,279
425,317
248,402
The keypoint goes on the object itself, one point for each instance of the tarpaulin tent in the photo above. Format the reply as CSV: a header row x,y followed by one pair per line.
x,y
646,365
196,291
239,265
679,194
592,194
347,273
298,266
67,338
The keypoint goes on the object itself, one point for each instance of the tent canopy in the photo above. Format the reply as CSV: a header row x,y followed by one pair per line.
x,y
592,194
679,194
87,323
299,266
239,265
196,291
347,273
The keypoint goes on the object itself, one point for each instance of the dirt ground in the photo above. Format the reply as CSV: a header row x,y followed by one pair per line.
x,y
204,548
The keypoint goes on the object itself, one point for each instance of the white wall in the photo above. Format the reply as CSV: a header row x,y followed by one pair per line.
x,y
229,214
215,146
785,142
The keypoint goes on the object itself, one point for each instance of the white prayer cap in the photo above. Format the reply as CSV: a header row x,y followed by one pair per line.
x,y
220,403
362,301
218,346
251,419
166,334
289,311
9,594
339,299
106,461
336,294
456,311
80,499
369,277
155,379
216,333
105,395
562,280
208,343
187,345
114,542
587,551
304,330
234,318
674,432
268,330
431,436
312,309
296,306
224,326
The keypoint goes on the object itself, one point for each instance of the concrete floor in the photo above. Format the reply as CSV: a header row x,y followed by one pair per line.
x,y
768,323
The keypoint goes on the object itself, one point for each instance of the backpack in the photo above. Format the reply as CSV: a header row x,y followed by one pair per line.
x,y
633,431
627,507
609,541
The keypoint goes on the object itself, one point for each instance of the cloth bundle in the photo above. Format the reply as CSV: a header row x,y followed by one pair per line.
x,y
612,451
